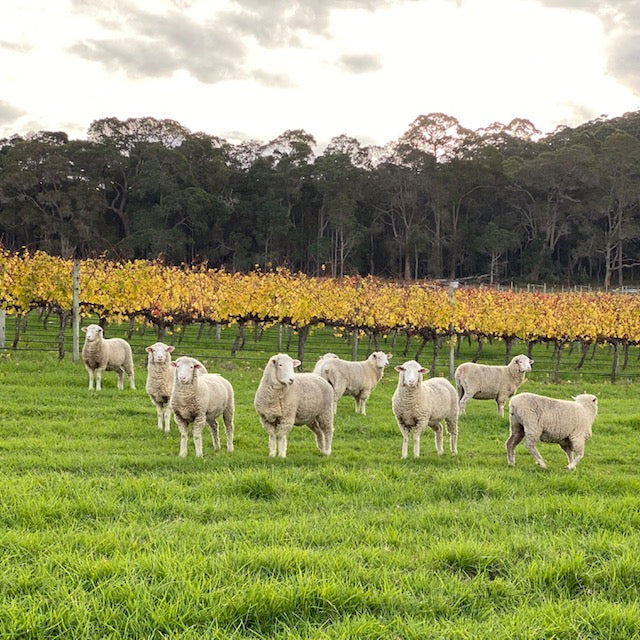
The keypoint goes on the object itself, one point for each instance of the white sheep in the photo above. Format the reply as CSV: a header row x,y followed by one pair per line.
x,y
419,403
106,354
285,398
490,382
541,419
357,379
160,381
201,397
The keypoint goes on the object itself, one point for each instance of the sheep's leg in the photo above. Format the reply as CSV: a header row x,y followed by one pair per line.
x,y
452,428
273,447
328,439
198,426
417,433
183,427
120,374
464,398
159,413
227,418
167,418
437,436
405,440
315,427
530,443
517,434
99,379
132,379
215,434
568,450
578,451
282,445
501,402
90,372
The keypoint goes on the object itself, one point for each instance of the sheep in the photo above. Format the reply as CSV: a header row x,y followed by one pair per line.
x,y
284,399
357,379
160,381
541,419
419,403
200,397
106,354
490,382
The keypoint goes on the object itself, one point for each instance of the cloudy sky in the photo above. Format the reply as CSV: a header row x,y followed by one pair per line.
x,y
243,69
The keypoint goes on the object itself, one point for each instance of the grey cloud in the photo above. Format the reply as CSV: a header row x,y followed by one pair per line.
x,y
621,22
275,80
16,47
9,112
145,43
360,62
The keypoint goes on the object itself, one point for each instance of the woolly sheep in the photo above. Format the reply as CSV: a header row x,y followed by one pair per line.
x,y
540,419
200,397
357,379
285,398
490,382
419,403
106,354
160,381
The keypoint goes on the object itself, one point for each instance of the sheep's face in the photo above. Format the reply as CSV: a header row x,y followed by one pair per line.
x,y
380,359
187,369
524,363
93,332
159,353
587,400
284,366
410,374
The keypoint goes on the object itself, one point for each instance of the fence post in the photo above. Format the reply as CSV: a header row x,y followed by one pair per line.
x,y
3,328
452,348
76,310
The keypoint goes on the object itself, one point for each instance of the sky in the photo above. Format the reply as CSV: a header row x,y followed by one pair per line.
x,y
253,69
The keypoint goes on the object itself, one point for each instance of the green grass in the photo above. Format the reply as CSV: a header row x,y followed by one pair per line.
x,y
106,533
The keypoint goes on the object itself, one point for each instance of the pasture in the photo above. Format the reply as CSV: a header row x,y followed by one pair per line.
x,y
107,533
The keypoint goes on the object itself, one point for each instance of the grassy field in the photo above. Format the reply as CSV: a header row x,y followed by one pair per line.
x,y
107,533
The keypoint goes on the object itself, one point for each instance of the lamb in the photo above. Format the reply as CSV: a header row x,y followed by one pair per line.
x,y
419,403
201,397
106,354
357,379
490,382
160,381
285,398
540,419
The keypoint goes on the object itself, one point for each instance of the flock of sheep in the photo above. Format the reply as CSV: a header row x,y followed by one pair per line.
x,y
284,398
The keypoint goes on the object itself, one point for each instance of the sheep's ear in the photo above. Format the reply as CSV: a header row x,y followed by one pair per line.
x,y
389,355
531,360
148,349
296,363
399,368
84,329
174,364
170,348
423,370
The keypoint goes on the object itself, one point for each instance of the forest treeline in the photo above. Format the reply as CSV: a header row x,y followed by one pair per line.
x,y
502,203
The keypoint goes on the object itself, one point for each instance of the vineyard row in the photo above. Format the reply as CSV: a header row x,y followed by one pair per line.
x,y
168,296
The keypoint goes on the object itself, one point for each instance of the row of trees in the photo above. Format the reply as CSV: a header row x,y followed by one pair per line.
x,y
443,201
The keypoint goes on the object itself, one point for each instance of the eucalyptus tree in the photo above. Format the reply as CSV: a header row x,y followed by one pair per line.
x,y
619,164
554,186
48,199
340,185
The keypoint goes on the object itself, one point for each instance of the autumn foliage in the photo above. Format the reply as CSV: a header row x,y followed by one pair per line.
x,y
167,295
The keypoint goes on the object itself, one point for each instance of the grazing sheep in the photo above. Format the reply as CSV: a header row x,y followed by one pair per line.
x,y
160,381
419,403
200,397
106,354
540,419
285,398
357,379
490,382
